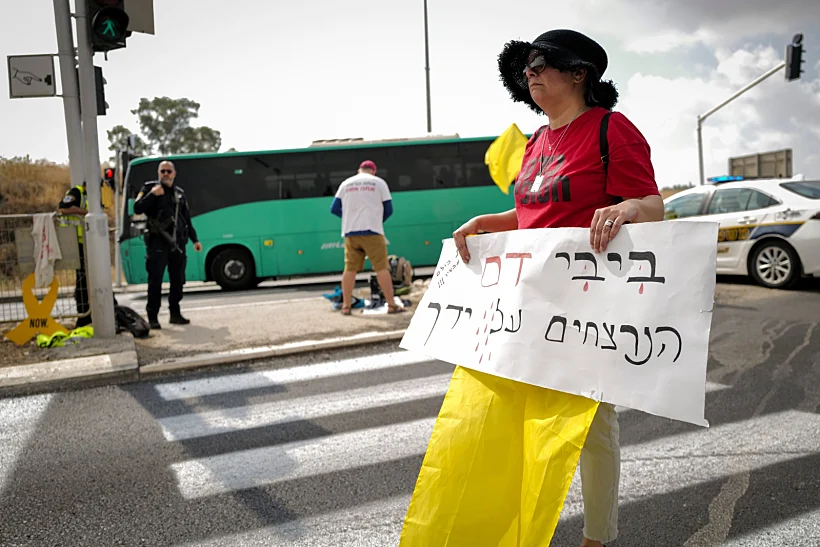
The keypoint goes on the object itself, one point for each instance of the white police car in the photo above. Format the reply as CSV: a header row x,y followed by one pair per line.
x,y
769,228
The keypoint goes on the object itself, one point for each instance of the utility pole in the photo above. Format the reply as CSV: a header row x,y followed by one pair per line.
x,y
118,175
796,44
427,69
71,91
98,267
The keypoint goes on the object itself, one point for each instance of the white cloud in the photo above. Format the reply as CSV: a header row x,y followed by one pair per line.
x,y
648,26
771,116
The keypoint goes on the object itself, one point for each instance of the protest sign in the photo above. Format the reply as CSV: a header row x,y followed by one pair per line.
x,y
629,326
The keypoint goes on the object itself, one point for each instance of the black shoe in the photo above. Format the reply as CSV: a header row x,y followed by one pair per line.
x,y
179,320
153,322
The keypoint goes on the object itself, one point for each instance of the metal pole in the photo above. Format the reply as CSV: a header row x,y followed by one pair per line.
x,y
740,92
427,70
117,219
98,267
71,93
700,150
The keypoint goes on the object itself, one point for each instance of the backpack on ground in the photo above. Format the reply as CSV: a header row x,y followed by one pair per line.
x,y
128,319
401,273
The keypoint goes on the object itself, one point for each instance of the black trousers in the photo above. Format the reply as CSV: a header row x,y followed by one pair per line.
x,y
81,291
158,257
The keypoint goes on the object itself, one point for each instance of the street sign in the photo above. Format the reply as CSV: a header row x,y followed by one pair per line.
x,y
141,14
765,165
31,76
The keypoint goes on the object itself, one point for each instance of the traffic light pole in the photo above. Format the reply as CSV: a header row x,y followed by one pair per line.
x,y
117,218
70,90
98,268
703,117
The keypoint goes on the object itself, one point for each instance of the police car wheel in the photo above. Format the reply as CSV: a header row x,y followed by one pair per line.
x,y
775,265
233,269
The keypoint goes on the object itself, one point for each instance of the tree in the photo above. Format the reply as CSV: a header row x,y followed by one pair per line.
x,y
118,140
165,125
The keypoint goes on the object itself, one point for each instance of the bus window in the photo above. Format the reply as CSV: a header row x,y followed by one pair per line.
x,y
299,176
472,154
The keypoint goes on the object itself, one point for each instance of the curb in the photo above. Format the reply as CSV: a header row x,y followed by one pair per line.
x,y
114,368
68,372
265,352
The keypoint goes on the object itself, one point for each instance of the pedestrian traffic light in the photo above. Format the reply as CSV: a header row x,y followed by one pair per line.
x,y
99,86
794,58
107,24
109,177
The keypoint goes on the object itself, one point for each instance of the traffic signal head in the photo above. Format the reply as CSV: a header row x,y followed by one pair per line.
x,y
109,177
794,58
107,24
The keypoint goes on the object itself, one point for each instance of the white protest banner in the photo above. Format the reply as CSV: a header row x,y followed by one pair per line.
x,y
629,326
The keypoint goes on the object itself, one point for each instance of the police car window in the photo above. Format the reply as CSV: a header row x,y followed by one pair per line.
x,y
759,200
684,206
729,200
808,189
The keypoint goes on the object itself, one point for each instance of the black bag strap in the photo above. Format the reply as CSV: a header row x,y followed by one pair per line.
x,y
605,142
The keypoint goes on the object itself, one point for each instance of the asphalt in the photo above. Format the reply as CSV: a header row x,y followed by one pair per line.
x,y
324,449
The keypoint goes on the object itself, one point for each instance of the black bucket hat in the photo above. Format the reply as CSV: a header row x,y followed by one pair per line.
x,y
564,50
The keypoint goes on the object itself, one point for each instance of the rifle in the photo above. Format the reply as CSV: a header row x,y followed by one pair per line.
x,y
172,240
158,228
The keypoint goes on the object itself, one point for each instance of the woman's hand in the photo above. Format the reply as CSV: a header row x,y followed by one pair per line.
x,y
607,222
469,228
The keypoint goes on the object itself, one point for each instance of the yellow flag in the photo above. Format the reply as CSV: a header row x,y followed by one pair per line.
x,y
499,464
504,157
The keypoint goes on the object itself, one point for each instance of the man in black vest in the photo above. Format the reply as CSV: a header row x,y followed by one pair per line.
x,y
169,230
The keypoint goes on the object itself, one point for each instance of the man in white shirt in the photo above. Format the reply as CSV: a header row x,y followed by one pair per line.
x,y
363,202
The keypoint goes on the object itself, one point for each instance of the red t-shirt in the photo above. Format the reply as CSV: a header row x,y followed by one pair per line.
x,y
574,184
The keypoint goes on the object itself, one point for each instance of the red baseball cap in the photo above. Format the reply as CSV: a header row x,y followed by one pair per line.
x,y
367,164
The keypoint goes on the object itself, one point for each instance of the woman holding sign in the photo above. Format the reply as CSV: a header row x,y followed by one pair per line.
x,y
589,167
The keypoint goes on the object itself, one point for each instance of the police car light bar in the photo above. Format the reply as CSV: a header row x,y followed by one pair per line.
x,y
725,178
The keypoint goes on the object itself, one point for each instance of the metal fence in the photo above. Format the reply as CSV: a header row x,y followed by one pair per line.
x,y
17,263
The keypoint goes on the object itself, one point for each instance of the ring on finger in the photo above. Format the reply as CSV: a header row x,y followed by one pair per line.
x,y
609,222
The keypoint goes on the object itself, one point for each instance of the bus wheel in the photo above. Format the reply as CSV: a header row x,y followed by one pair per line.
x,y
233,269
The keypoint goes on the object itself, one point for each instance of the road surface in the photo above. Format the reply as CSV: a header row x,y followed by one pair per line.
x,y
325,449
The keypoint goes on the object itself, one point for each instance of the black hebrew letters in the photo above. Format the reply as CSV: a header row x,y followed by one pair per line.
x,y
643,343
648,256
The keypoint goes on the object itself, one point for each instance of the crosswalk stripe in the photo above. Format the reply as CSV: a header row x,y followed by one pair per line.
x,y
710,388
189,426
254,380
273,464
689,459
368,525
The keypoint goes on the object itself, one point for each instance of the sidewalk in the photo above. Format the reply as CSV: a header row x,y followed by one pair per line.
x,y
224,334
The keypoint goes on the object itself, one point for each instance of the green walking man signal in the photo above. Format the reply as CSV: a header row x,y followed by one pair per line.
x,y
107,24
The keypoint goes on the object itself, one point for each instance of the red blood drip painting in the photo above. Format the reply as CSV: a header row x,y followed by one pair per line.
x,y
640,290
487,323
586,286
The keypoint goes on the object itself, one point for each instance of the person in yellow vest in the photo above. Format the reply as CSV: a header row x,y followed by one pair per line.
x,y
74,207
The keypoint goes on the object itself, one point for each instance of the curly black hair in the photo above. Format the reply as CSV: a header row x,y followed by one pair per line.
x,y
512,62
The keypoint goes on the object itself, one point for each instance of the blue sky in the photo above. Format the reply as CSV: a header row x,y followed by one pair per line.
x,y
281,74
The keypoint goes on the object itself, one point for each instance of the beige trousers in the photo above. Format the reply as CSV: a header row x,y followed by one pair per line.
x,y
600,475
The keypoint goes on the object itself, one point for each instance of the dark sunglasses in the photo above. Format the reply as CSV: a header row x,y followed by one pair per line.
x,y
537,65
166,171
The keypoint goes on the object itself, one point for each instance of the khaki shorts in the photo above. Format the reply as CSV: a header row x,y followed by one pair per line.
x,y
372,246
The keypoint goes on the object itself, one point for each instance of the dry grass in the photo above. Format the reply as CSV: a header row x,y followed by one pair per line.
x,y
36,186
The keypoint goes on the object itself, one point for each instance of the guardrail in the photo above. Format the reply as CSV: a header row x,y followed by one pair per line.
x,y
17,263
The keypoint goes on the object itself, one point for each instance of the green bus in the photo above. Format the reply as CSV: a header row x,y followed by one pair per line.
x,y
266,215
